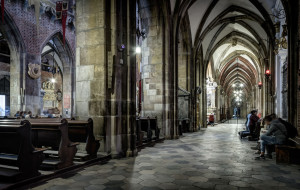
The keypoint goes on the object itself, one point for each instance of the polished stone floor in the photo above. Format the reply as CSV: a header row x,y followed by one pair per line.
x,y
214,158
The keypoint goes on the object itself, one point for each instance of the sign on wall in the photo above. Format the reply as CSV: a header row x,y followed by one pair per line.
x,y
67,101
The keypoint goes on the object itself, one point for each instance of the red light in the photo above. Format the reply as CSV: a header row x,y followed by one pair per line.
x,y
259,85
268,72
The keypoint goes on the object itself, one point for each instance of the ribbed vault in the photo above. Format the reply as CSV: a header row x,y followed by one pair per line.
x,y
235,37
233,44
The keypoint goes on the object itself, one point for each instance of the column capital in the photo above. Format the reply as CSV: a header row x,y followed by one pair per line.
x,y
282,53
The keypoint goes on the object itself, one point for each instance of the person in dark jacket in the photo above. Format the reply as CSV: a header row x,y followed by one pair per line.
x,y
253,121
277,134
250,125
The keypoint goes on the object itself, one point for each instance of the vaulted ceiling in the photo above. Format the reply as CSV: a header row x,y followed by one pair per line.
x,y
234,36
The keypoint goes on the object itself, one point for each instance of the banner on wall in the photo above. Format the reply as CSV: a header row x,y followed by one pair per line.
x,y
62,13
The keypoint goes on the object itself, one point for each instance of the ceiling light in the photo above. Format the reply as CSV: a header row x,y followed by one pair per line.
x,y
53,80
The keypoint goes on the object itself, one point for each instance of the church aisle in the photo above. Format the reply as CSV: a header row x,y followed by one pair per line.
x,y
214,158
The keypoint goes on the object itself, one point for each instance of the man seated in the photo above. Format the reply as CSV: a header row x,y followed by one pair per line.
x,y
251,123
277,134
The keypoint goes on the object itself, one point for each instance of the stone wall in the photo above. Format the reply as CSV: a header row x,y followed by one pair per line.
x,y
152,63
26,45
105,72
182,63
90,63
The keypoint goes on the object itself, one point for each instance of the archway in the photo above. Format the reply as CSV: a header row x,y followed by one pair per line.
x,y
12,70
4,77
57,78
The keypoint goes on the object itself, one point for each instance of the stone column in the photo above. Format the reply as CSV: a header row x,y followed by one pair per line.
x,y
32,86
16,100
90,64
218,103
282,55
152,65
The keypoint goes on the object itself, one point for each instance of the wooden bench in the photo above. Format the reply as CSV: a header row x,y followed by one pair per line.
x,y
147,124
54,135
17,150
289,153
139,133
78,131
83,131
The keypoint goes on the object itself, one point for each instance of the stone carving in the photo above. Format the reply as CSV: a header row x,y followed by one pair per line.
x,y
48,85
34,70
59,95
50,95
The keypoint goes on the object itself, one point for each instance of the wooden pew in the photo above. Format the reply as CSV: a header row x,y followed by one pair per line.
x,y
148,125
290,152
79,131
83,131
15,141
54,135
139,132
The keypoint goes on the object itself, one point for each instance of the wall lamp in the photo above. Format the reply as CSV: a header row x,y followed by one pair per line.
x,y
259,85
268,74
138,50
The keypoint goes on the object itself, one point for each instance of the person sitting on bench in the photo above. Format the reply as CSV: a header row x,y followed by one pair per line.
x,y
275,135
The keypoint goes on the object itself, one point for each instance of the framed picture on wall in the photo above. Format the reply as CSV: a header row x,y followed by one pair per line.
x,y
65,5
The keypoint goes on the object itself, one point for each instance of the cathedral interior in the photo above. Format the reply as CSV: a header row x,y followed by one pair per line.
x,y
149,94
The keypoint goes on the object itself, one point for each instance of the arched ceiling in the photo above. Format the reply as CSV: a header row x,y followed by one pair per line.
x,y
234,36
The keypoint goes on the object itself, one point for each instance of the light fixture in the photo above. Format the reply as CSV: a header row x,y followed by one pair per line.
x,y
121,48
53,80
233,85
268,73
241,85
259,85
138,50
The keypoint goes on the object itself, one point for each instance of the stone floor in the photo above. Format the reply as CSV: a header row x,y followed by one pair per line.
x,y
214,158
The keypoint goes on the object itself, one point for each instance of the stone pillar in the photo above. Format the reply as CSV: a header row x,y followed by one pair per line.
x,y
152,65
67,93
218,103
32,86
17,60
90,64
279,76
